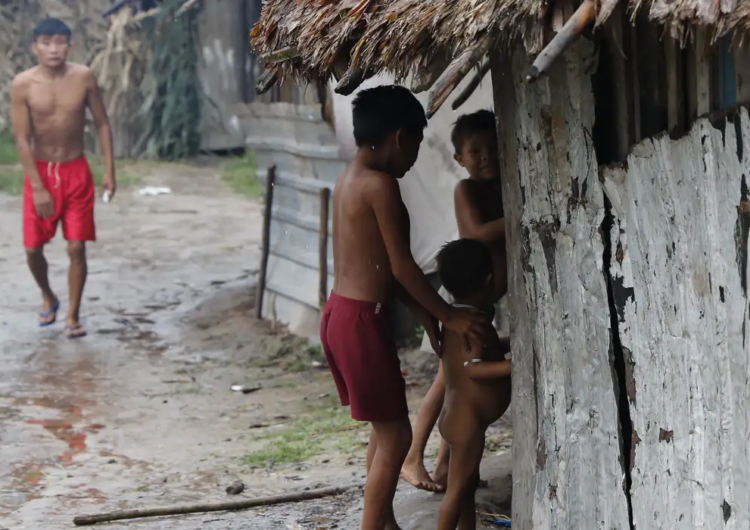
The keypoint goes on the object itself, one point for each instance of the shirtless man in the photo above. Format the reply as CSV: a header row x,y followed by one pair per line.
x,y
373,265
479,212
48,106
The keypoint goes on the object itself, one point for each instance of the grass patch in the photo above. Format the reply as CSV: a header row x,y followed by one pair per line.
x,y
240,174
306,438
8,151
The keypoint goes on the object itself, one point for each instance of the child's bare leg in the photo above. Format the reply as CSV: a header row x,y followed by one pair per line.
x,y
468,520
392,440
440,475
462,479
413,470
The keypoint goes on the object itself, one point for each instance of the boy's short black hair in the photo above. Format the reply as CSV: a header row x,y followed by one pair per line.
x,y
50,27
379,111
463,266
468,124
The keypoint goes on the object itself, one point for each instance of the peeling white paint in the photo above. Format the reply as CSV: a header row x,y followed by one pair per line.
x,y
680,255
567,472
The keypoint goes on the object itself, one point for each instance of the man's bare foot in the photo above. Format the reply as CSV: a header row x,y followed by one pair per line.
x,y
416,475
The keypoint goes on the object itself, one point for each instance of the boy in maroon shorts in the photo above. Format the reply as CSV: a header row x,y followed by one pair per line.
x,y
48,107
373,265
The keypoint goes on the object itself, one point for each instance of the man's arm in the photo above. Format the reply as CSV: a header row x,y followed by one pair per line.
x,y
19,112
470,223
101,121
389,211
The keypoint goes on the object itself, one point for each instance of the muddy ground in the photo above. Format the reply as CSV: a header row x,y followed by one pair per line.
x,y
140,412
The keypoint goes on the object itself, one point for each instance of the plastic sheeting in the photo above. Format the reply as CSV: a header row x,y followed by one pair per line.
x,y
428,188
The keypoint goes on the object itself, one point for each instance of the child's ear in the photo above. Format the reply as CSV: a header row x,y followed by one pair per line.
x,y
399,138
459,159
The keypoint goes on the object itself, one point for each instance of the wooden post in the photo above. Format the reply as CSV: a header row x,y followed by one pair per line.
x,y
267,212
567,470
325,199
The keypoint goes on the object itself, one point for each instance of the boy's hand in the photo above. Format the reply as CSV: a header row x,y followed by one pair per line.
x,y
469,323
432,328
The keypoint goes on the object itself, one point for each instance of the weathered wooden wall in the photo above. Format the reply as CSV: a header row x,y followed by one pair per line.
x,y
679,259
306,154
567,450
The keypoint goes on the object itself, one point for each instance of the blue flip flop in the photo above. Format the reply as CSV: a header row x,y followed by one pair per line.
x,y
75,332
51,313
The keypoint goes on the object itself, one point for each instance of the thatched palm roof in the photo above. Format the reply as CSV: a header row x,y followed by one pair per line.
x,y
317,39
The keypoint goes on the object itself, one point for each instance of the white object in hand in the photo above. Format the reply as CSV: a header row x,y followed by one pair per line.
x,y
107,196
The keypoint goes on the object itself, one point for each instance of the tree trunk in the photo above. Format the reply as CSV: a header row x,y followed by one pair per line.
x,y
568,464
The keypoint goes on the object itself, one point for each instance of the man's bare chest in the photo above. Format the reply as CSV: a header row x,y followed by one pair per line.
x,y
62,100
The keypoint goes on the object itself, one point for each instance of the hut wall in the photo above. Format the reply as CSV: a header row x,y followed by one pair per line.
x,y
568,470
679,266
304,149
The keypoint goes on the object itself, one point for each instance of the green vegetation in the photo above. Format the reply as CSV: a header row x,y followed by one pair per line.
x,y
8,152
240,174
328,427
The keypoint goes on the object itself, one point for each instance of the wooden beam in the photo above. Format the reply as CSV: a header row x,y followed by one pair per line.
x,y
265,241
583,16
469,89
325,200
351,80
456,71
269,78
280,55
424,79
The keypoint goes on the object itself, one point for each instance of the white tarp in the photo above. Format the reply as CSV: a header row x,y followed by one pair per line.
x,y
428,188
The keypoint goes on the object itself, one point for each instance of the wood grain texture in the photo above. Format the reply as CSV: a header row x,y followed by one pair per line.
x,y
680,264
567,457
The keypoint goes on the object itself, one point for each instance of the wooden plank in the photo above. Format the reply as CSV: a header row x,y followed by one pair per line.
x,y
703,73
567,456
742,71
675,84
325,200
621,84
679,259
265,245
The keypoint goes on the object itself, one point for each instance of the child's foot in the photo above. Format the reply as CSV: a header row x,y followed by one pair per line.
x,y
440,476
416,475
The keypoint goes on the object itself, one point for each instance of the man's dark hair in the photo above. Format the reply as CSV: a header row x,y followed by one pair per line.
x,y
50,27
469,124
382,110
463,266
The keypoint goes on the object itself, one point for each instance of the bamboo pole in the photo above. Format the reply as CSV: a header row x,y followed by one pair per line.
x,y
88,520
583,16
325,199
471,86
265,248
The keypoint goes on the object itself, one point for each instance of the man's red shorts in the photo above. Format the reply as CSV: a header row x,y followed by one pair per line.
x,y
358,343
71,186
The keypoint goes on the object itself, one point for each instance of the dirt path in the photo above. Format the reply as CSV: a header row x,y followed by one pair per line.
x,y
140,413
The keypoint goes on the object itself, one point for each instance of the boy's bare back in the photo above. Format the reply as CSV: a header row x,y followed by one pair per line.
x,y
362,267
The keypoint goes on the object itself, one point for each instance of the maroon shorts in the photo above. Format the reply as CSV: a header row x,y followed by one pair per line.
x,y
358,343
71,186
